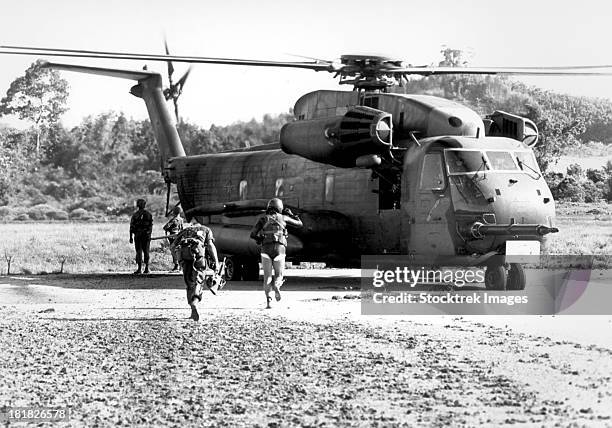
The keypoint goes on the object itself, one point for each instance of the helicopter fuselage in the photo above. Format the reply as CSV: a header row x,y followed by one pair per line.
x,y
427,206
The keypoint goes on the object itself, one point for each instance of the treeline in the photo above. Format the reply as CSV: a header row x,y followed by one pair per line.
x,y
98,168
565,122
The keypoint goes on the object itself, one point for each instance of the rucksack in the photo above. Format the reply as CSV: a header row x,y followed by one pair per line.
x,y
274,230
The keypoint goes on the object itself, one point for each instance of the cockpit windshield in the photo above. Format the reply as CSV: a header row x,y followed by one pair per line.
x,y
526,161
501,161
464,161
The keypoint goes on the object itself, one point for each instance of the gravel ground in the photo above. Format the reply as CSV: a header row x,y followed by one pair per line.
x,y
120,356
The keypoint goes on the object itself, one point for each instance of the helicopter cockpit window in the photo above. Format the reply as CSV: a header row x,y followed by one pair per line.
x,y
464,161
432,174
526,161
501,161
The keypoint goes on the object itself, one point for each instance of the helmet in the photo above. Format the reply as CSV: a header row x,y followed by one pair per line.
x,y
275,204
141,203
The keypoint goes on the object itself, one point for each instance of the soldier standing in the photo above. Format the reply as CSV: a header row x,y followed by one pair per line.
x,y
270,232
141,226
173,227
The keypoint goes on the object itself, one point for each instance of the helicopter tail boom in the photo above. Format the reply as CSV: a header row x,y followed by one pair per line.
x,y
149,88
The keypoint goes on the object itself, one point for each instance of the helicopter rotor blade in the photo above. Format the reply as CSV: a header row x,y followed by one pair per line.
x,y
318,60
170,66
23,50
515,71
183,79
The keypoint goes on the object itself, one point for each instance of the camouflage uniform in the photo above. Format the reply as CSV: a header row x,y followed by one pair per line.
x,y
174,227
141,226
191,245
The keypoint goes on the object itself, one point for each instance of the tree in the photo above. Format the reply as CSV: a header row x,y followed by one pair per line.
x,y
39,97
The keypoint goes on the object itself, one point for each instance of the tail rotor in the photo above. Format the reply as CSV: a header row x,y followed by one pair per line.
x,y
174,90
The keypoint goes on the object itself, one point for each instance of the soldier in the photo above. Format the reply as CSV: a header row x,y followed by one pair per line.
x,y
192,244
141,226
270,232
173,227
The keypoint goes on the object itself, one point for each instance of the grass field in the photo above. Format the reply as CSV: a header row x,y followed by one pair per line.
x,y
85,247
40,248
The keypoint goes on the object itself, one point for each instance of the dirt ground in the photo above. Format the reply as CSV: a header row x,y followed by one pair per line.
x,y
120,350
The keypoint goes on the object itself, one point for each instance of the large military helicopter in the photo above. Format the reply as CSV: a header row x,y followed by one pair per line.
x,y
369,172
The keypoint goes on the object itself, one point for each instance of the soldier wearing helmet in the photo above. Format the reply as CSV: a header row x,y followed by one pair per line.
x,y
270,232
173,227
196,251
141,226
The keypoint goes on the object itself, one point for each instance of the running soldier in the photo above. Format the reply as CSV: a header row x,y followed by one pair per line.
x,y
141,226
270,232
197,254
173,227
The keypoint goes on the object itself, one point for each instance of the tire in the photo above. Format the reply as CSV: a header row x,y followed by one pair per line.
x,y
496,277
516,277
250,270
233,271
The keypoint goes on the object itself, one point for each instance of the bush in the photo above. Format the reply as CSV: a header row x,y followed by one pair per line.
x,y
57,215
553,179
574,170
79,213
68,189
596,175
569,189
5,212
607,190
39,212
22,217
592,192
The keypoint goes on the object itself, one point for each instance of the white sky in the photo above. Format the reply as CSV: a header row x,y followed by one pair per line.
x,y
510,33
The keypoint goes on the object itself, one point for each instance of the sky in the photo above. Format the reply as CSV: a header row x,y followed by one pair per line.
x,y
512,33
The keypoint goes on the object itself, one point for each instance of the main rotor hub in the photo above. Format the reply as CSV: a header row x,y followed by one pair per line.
x,y
368,72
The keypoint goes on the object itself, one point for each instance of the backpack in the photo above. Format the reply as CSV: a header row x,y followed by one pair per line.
x,y
274,230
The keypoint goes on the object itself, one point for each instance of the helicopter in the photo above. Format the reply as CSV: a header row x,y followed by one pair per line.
x,y
368,171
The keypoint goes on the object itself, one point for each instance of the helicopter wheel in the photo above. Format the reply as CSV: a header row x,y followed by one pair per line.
x,y
232,269
516,277
250,270
496,277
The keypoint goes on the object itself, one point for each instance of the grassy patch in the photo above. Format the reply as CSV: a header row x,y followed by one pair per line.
x,y
84,247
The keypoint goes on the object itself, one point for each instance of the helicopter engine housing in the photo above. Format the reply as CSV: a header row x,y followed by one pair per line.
x,y
340,140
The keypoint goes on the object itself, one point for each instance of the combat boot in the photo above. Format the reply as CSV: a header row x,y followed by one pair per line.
x,y
139,270
194,314
146,269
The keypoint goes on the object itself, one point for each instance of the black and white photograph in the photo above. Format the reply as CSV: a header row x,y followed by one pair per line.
x,y
306,214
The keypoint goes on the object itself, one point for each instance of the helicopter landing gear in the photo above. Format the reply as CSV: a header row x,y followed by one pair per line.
x,y
232,269
496,277
237,269
250,270
516,277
